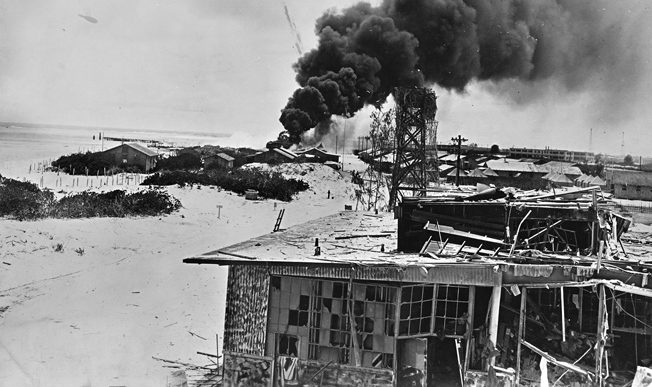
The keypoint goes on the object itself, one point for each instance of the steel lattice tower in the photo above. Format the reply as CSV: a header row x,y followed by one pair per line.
x,y
415,115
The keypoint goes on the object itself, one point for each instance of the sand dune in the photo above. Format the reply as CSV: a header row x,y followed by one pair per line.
x,y
96,317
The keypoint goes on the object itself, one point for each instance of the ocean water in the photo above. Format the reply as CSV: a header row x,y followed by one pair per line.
x,y
22,146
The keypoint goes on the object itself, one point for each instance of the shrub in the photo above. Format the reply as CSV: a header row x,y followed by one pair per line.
x,y
115,204
96,163
180,178
187,160
271,185
23,200
26,201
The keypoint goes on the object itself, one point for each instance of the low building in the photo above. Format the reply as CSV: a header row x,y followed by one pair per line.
x,y
590,181
318,155
630,184
273,156
551,154
132,154
220,160
570,170
327,303
556,179
515,173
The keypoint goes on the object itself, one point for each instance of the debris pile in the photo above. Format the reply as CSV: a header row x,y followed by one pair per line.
x,y
564,316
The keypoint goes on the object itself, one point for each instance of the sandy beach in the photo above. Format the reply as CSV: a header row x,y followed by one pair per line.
x,y
90,302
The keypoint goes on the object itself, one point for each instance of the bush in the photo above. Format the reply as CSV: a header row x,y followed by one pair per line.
x,y
271,185
115,204
26,201
23,200
180,178
187,160
96,163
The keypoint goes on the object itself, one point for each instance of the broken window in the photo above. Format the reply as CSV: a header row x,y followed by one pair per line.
x,y
331,318
288,345
433,309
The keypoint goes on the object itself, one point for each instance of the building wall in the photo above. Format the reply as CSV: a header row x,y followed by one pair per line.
x,y
245,323
341,375
219,162
126,155
632,192
322,157
224,163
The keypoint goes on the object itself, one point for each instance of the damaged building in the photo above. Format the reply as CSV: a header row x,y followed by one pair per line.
x,y
475,290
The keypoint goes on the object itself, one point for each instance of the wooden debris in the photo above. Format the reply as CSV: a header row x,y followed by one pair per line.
x,y
563,364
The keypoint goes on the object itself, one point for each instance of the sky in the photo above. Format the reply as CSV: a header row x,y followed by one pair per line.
x,y
226,67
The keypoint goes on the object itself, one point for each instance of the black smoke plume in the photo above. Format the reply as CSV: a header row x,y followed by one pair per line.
x,y
364,52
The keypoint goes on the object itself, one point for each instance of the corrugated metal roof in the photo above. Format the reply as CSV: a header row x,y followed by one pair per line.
x,y
643,179
316,149
350,244
142,149
286,153
557,178
560,167
509,165
489,172
477,173
596,180
225,156
452,157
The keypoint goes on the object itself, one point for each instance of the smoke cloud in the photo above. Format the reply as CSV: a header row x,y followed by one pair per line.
x,y
364,52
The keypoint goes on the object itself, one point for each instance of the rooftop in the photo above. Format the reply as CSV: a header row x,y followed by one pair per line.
x,y
225,156
631,178
511,165
138,147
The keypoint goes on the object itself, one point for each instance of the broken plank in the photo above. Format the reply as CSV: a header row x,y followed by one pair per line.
x,y
551,359
363,236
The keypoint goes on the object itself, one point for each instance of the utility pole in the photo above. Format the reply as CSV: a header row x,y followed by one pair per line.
x,y
459,139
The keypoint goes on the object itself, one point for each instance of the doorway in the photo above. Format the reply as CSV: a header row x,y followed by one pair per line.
x,y
429,361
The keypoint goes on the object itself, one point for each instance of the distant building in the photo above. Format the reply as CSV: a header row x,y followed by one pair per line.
x,y
525,153
318,155
220,160
514,173
557,179
551,154
570,170
590,181
132,154
273,156
630,184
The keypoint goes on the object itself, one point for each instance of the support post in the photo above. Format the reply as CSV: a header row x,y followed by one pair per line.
x,y
354,328
521,331
493,320
469,328
397,320
599,346
593,228
563,315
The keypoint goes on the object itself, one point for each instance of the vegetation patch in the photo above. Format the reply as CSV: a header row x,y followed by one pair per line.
x,y
91,163
25,201
186,160
270,185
